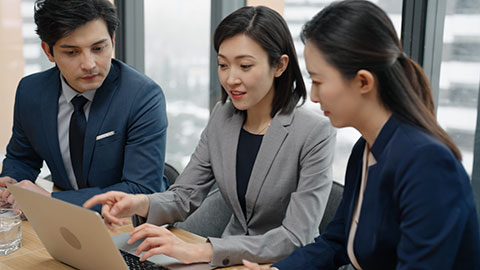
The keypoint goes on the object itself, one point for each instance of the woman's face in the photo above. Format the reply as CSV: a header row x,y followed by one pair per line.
x,y
337,97
245,73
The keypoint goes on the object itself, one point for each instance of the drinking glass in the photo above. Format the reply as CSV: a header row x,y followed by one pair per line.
x,y
10,230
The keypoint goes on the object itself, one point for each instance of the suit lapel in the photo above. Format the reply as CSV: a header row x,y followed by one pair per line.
x,y
232,132
98,110
271,144
377,149
357,174
49,112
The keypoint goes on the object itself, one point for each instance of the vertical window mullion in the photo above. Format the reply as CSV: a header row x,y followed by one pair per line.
x,y
219,10
476,159
130,36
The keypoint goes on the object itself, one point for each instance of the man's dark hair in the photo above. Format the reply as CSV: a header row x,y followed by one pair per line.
x,y
56,19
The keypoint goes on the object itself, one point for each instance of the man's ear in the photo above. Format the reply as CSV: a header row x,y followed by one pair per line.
x,y
365,81
113,40
46,50
281,66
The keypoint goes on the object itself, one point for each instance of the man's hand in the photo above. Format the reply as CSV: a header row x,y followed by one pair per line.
x,y
7,197
3,188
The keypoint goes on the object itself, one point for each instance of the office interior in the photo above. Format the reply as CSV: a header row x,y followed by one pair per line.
x,y
171,42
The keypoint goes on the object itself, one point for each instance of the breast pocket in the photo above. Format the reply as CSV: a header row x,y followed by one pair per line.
x,y
108,153
107,138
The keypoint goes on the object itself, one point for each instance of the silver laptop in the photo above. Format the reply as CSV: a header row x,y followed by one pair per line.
x,y
78,237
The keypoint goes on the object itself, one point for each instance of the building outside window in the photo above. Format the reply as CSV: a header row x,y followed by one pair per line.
x,y
177,49
460,75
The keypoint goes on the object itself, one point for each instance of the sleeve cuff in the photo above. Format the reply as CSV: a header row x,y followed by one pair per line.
x,y
138,220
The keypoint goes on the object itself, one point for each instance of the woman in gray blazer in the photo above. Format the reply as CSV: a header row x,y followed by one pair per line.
x,y
270,158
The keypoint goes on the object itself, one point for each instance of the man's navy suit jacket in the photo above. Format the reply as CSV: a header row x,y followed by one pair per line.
x,y
131,160
418,210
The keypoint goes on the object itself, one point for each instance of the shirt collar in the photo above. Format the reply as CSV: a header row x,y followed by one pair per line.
x,y
70,93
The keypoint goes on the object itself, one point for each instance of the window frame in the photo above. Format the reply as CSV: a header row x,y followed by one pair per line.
x,y
130,35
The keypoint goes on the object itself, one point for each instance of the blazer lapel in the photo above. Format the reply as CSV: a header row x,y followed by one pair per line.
x,y
271,143
98,110
49,112
357,174
377,149
232,133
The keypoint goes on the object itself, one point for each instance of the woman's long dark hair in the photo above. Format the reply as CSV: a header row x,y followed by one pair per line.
x,y
269,29
355,35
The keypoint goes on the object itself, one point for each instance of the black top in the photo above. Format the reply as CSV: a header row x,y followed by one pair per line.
x,y
247,150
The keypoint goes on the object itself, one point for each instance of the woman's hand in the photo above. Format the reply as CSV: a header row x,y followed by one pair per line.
x,y
159,240
255,266
117,205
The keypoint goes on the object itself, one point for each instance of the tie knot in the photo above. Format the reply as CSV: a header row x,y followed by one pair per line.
x,y
78,103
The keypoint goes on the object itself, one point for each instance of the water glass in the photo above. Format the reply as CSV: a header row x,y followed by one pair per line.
x,y
10,230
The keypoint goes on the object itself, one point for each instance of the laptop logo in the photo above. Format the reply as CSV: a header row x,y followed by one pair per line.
x,y
71,239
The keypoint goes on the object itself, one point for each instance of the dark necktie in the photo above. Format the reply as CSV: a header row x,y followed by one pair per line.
x,y
78,123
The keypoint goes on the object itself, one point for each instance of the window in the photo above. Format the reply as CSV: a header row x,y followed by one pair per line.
x,y
177,47
35,58
21,55
460,75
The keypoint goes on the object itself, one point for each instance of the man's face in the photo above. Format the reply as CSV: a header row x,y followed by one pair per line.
x,y
84,57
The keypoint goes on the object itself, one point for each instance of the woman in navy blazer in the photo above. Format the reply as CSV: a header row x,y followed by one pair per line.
x,y
407,202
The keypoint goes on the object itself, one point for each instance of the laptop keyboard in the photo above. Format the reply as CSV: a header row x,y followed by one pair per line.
x,y
134,263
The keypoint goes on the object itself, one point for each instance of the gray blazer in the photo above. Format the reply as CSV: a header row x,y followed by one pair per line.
x,y
286,196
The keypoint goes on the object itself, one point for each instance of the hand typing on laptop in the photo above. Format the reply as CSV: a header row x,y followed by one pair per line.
x,y
158,240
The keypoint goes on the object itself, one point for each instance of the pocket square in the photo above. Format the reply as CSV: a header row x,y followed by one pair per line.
x,y
105,135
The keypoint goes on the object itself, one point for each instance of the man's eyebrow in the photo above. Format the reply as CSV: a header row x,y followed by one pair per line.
x,y
66,46
100,41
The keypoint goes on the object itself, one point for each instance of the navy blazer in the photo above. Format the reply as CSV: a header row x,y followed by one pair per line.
x,y
418,210
128,103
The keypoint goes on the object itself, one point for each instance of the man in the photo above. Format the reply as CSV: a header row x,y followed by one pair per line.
x,y
99,124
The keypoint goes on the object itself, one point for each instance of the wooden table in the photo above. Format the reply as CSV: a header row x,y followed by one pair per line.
x,y
33,255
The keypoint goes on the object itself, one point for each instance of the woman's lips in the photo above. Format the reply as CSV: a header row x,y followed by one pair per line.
x,y
237,94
